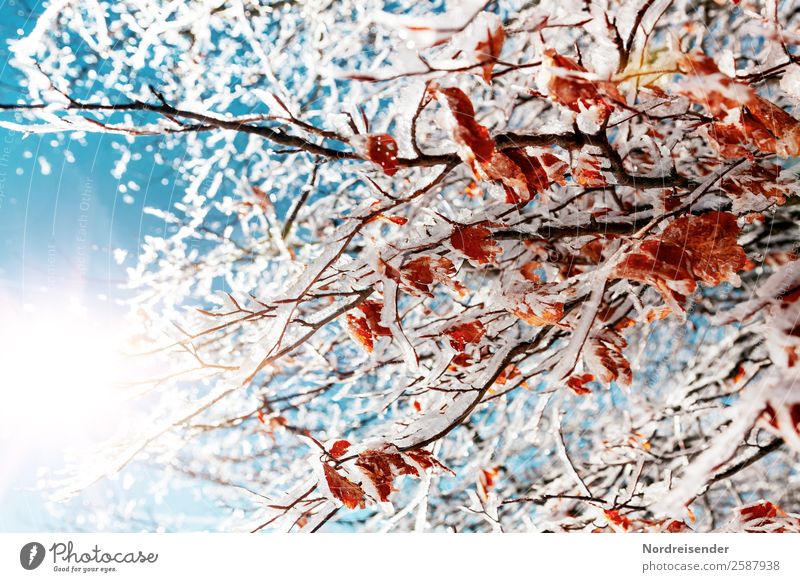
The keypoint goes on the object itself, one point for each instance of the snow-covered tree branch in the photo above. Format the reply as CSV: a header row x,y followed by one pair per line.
x,y
494,266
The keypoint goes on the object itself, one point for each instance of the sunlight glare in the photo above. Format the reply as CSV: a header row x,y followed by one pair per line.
x,y
58,370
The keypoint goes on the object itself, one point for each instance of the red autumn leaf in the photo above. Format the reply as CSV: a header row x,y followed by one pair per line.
x,y
761,511
339,448
569,85
522,176
462,334
528,271
532,168
419,274
367,327
776,131
486,481
488,476
509,373
661,266
587,172
739,375
593,251
372,312
475,242
691,248
765,516
762,179
761,124
578,384
772,417
389,271
359,329
542,313
709,87
555,167
472,190
398,220
343,489
474,141
605,359
426,460
488,50
791,356
676,526
533,301
460,360
618,519
382,149
656,314
710,243
381,467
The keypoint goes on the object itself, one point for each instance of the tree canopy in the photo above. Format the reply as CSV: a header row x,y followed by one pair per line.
x,y
499,266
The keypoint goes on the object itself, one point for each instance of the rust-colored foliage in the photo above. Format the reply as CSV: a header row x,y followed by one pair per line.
x,y
489,50
762,179
570,86
509,373
555,167
486,481
793,413
475,241
426,460
343,489
382,149
606,360
587,172
339,448
365,328
710,243
419,274
619,520
522,176
358,328
766,516
381,467
676,526
372,312
528,271
462,334
762,125
476,143
540,313
532,169
691,248
578,384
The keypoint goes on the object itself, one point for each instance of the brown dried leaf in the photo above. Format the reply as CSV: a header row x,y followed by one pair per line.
x,y
349,493
475,242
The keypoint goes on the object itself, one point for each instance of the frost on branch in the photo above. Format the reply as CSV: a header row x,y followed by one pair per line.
x,y
489,266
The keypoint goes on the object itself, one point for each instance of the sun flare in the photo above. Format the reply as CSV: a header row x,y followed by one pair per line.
x,y
57,367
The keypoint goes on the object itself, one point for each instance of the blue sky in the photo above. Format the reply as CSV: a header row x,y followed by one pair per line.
x,y
62,216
